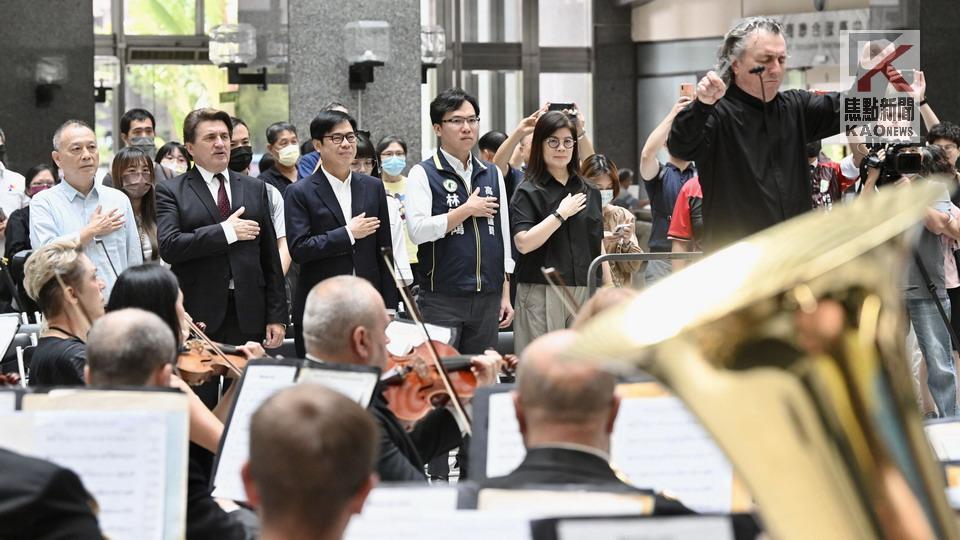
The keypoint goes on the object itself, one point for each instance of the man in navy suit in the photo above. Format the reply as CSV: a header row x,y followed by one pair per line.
x,y
334,218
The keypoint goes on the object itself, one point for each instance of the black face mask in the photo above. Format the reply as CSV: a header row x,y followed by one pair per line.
x,y
240,158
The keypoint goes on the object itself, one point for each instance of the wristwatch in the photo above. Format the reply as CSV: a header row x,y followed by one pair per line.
x,y
558,216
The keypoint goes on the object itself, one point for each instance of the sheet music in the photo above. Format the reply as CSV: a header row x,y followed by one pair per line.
x,y
259,383
462,525
537,503
405,499
9,324
657,443
121,458
8,401
505,450
404,336
675,528
356,385
945,439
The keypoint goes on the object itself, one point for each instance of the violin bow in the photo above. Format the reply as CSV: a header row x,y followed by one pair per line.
x,y
202,337
458,408
560,288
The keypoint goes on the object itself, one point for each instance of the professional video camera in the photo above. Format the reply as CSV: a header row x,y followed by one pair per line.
x,y
899,159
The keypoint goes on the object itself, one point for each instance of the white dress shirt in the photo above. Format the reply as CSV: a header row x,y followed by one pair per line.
x,y
214,186
341,189
423,227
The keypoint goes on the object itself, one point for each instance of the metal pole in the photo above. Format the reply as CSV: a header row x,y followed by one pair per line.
x,y
614,257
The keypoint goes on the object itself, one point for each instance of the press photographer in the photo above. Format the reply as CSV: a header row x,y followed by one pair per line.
x,y
924,289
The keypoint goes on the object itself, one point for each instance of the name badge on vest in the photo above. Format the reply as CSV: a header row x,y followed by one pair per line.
x,y
450,185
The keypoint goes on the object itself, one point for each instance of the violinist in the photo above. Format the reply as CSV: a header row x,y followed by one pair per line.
x,y
566,411
153,288
64,282
345,321
135,347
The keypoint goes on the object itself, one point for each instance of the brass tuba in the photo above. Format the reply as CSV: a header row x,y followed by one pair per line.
x,y
789,348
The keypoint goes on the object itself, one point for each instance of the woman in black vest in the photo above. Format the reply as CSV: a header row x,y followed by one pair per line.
x,y
556,221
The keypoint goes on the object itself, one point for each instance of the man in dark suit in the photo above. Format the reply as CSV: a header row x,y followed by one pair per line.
x,y
566,412
345,321
43,501
214,228
337,220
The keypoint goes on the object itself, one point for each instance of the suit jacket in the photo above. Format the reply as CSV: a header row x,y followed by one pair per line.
x,y
43,501
318,240
403,454
193,242
556,466
18,232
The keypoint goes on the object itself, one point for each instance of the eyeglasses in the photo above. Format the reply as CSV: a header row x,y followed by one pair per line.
x,y
367,163
386,155
337,138
136,175
458,121
554,142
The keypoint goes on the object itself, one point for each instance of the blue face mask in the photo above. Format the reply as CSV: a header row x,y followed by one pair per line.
x,y
393,165
606,195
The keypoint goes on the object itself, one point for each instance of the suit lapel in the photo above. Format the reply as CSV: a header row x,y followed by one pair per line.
x,y
200,188
357,191
325,191
236,192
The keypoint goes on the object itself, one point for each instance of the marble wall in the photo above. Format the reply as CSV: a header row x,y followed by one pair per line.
x,y
62,32
318,71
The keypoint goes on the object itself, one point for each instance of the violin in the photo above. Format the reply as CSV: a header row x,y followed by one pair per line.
x,y
431,382
202,360
412,382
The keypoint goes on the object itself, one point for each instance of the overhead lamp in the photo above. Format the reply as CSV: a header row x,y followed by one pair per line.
x,y
366,45
433,48
106,73
234,46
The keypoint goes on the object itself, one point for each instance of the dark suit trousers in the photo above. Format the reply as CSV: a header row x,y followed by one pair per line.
x,y
476,318
229,333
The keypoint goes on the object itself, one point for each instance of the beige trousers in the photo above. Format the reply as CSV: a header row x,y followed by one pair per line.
x,y
539,310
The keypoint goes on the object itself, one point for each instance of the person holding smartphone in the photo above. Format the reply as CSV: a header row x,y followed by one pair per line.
x,y
618,223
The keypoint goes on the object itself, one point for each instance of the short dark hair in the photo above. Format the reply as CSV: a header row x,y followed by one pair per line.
x,y
450,100
944,130
492,140
387,140
125,347
275,129
327,120
196,116
149,287
168,149
32,173
237,121
934,162
311,450
626,177
547,124
135,114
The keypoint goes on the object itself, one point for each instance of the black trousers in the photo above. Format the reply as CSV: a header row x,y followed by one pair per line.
x,y
476,318
229,333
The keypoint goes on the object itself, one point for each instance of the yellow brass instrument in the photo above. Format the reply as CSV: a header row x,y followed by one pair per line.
x,y
789,347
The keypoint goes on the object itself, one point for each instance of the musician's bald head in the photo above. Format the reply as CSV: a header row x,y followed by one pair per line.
x,y
561,400
130,347
311,465
345,321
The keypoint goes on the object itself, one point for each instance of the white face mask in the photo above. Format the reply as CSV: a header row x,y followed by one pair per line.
x,y
288,155
606,195
175,166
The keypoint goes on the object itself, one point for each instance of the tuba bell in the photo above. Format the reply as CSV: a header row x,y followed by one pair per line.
x,y
789,347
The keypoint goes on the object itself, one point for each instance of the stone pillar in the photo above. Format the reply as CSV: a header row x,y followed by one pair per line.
x,y
318,71
614,84
938,27
60,31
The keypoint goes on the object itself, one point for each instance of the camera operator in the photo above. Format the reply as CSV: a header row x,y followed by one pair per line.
x,y
926,268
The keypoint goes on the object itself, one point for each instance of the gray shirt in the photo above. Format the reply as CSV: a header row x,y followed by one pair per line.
x,y
61,211
931,255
